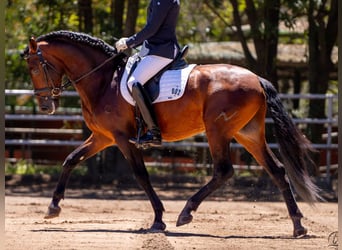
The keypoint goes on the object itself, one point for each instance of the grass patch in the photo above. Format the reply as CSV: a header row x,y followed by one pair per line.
x,y
25,167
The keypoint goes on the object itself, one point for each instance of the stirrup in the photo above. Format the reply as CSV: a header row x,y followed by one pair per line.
x,y
150,139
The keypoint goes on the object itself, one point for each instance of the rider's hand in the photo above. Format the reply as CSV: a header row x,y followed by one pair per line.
x,y
121,44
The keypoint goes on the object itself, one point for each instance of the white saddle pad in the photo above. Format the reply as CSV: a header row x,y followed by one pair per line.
x,y
172,85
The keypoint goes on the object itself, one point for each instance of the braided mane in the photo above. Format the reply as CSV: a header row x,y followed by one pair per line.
x,y
79,38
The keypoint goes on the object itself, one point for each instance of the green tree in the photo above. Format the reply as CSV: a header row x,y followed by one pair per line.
x,y
85,16
131,17
32,18
117,10
322,18
200,21
263,19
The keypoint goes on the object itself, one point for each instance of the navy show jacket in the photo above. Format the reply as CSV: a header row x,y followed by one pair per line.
x,y
159,33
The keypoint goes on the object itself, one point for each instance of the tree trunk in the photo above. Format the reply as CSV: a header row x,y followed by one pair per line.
x,y
322,37
131,17
265,39
271,12
85,15
117,11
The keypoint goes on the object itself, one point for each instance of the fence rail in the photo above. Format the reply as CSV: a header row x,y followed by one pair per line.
x,y
330,121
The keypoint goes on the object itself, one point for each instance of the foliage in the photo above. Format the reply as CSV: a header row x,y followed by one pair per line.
x,y
199,21
26,167
21,167
205,21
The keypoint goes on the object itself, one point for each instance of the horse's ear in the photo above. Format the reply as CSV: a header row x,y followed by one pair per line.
x,y
33,45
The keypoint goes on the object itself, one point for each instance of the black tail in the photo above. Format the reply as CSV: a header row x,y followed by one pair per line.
x,y
294,147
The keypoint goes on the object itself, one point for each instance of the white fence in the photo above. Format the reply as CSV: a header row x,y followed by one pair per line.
x,y
330,121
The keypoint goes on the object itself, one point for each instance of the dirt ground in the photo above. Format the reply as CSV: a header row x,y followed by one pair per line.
x,y
100,221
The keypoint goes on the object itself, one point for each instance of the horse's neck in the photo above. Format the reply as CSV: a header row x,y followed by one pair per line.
x,y
93,89
96,85
88,84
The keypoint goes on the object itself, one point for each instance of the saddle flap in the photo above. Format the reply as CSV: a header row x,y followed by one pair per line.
x,y
152,86
168,84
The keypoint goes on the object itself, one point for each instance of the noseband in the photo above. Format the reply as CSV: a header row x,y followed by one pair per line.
x,y
54,91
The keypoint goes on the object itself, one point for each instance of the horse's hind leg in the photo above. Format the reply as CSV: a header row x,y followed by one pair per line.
x,y
275,169
223,169
254,141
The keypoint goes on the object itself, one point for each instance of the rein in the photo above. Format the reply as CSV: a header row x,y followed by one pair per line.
x,y
93,70
57,91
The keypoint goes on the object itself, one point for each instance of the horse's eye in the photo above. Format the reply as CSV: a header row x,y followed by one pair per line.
x,y
35,71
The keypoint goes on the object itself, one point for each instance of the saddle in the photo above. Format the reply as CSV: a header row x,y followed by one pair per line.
x,y
152,86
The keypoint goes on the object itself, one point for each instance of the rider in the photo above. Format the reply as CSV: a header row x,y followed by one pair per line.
x,y
159,48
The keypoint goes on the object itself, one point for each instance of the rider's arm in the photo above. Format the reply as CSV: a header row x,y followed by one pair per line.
x,y
157,13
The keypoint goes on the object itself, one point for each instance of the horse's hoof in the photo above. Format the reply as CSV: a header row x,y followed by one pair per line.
x,y
184,219
158,227
53,211
300,232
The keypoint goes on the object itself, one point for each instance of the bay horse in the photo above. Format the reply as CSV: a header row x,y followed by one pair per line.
x,y
226,102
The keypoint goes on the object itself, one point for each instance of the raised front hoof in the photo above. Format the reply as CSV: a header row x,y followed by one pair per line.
x,y
300,232
184,219
52,212
157,227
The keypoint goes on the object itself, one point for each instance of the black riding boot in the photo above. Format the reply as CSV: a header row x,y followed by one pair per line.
x,y
152,138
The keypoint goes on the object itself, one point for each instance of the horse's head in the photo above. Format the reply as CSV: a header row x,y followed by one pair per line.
x,y
78,56
45,74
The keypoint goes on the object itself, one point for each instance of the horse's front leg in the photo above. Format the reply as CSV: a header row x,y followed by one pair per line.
x,y
135,158
89,148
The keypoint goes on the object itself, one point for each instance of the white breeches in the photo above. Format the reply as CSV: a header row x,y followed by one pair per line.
x,y
147,67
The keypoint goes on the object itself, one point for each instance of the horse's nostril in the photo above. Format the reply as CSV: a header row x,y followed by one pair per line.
x,y
44,108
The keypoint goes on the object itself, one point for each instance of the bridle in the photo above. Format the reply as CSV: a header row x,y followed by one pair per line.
x,y
52,88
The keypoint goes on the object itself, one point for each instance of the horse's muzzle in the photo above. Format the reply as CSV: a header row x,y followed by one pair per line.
x,y
48,106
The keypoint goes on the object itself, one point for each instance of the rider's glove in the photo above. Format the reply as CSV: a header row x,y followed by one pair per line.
x,y
121,44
